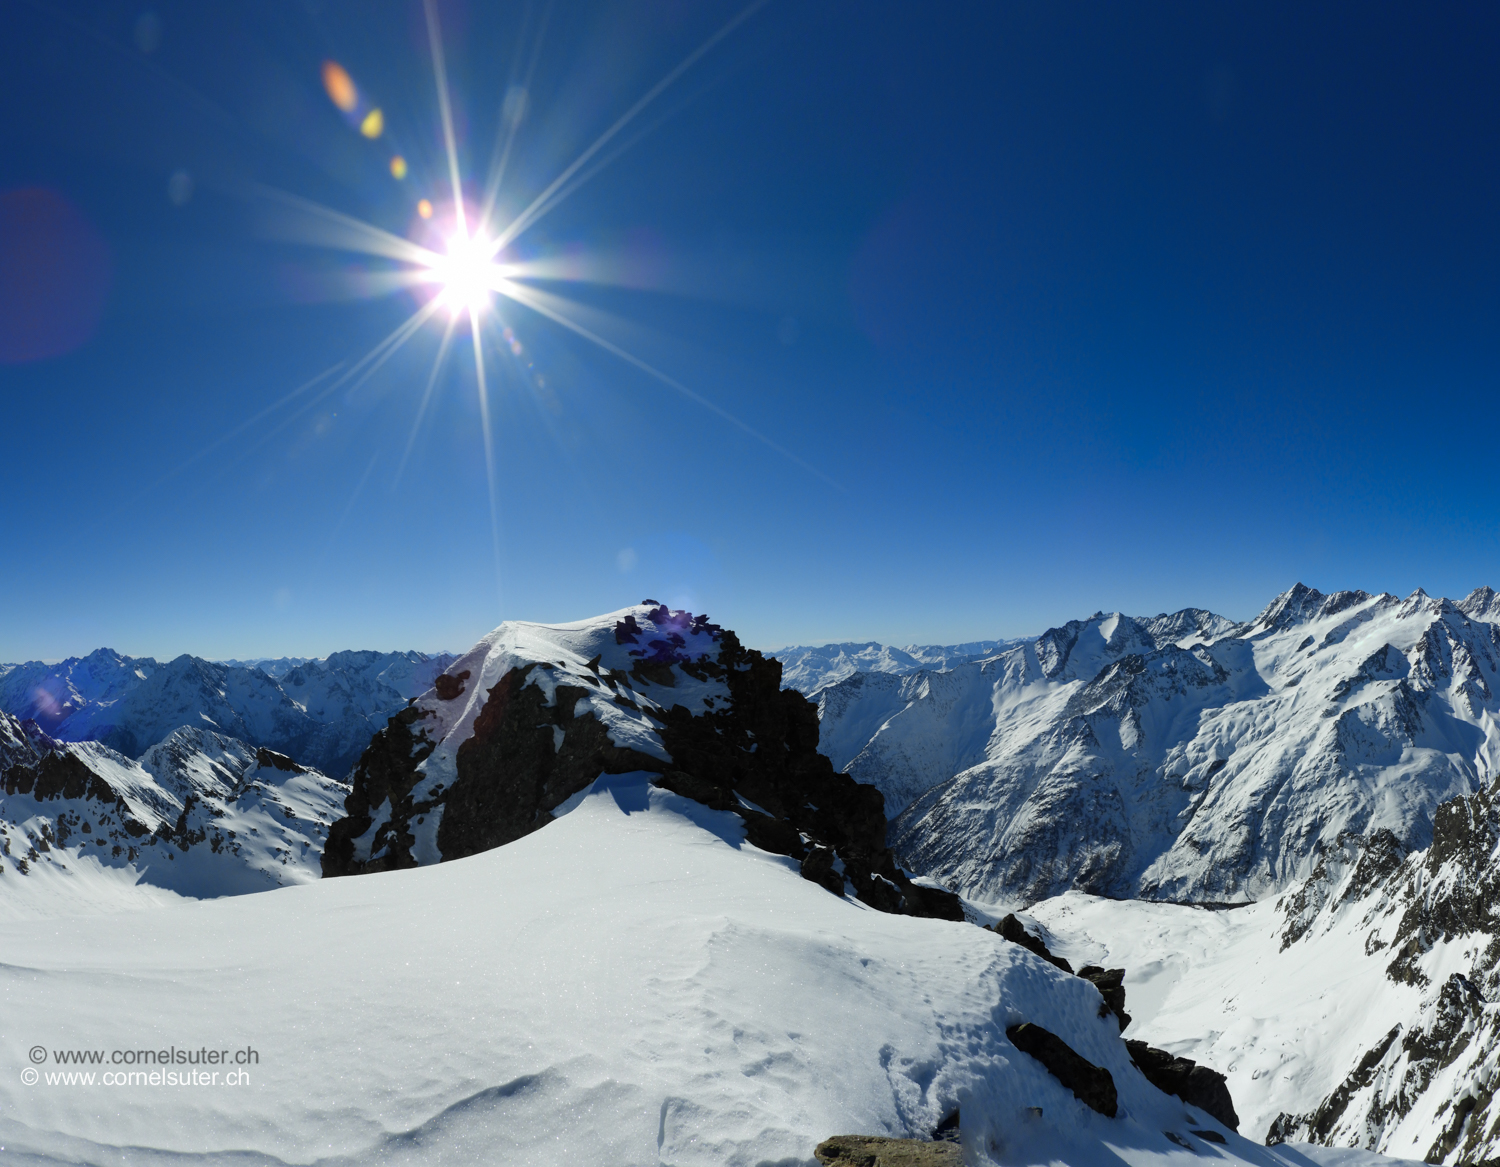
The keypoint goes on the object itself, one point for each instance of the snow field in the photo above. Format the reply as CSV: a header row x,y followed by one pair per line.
x,y
630,985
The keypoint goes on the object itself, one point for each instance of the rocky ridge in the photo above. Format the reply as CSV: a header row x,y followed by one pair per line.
x,y
1180,758
534,714
1427,1086
1196,1085
199,813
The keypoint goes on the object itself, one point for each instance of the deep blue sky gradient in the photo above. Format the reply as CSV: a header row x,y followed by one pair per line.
x,y
1071,306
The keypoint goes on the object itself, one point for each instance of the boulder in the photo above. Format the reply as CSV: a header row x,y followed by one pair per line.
x,y
1013,930
873,1151
1111,985
1196,1085
1092,1085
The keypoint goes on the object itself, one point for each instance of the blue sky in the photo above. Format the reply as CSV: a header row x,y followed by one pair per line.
x,y
1037,309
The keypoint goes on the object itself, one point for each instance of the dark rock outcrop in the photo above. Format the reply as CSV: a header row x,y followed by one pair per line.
x,y
1196,1085
872,1151
1111,985
1092,1085
537,741
1013,930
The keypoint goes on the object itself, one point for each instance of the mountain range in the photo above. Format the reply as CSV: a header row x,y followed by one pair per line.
x,y
1280,833
198,814
810,669
603,861
1181,757
320,712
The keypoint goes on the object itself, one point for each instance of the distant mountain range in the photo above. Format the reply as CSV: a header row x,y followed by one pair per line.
x,y
320,712
810,669
199,814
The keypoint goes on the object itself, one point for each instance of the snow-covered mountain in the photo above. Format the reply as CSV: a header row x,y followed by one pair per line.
x,y
322,712
534,713
199,814
651,928
277,666
635,984
905,733
810,669
1114,755
1360,1009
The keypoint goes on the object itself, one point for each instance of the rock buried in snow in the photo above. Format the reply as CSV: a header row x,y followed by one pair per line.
x,y
872,1151
1196,1085
1092,1085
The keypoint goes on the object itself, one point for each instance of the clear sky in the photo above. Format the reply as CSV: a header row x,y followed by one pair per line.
x,y
1003,313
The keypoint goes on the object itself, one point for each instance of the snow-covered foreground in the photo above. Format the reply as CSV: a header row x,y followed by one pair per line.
x,y
631,984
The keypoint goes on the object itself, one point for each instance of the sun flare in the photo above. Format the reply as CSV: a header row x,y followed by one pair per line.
x,y
466,273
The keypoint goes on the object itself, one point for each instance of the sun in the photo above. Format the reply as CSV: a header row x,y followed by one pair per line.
x,y
466,273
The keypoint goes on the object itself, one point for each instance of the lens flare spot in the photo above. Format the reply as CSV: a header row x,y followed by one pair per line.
x,y
340,86
424,208
54,275
398,167
374,124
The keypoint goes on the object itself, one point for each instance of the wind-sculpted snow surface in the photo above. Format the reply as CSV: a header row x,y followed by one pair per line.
x,y
1107,757
810,669
634,985
321,712
198,814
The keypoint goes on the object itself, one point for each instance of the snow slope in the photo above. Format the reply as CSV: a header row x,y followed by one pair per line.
x,y
630,985
321,712
1160,758
1356,1010
810,669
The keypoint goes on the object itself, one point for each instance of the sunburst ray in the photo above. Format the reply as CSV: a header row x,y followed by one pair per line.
x,y
533,212
416,425
547,304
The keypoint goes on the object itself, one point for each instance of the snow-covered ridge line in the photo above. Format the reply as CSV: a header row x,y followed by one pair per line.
x,y
198,814
322,712
810,668
1181,758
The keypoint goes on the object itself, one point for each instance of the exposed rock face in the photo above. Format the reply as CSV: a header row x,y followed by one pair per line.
x,y
1194,1084
1092,1085
1431,1076
535,714
871,1151
1111,985
1013,930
